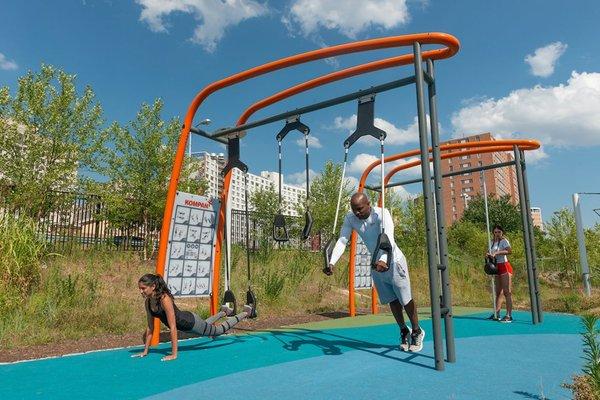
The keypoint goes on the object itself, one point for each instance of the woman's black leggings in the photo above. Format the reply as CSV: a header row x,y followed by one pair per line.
x,y
207,328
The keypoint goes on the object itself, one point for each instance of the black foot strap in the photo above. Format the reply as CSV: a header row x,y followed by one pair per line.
x,y
251,301
229,298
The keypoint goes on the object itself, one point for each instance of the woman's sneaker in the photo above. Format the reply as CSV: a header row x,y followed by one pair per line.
x,y
404,335
507,319
493,317
416,340
227,310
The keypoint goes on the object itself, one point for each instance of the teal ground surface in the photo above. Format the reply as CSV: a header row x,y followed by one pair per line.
x,y
494,361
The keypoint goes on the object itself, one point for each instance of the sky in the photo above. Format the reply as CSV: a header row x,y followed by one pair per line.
x,y
525,69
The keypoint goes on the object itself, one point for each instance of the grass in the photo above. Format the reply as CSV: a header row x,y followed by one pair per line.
x,y
94,292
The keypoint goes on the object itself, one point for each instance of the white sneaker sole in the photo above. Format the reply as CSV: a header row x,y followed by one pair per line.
x,y
415,349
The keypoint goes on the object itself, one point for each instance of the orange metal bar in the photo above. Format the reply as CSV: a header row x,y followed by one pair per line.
x,y
452,45
338,75
485,146
433,38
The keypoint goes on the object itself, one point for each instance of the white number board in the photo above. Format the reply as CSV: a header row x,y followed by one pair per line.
x,y
362,266
191,248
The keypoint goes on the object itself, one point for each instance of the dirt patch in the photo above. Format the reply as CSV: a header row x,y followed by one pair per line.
x,y
135,339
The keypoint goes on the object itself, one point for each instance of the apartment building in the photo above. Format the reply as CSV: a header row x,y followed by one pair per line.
x,y
211,165
536,217
460,189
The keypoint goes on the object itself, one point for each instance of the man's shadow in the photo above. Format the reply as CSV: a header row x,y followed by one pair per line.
x,y
293,339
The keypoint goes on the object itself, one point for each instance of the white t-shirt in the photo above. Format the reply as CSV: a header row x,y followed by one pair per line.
x,y
498,246
369,230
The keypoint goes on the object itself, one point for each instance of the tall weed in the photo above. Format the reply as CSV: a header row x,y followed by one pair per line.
x,y
21,251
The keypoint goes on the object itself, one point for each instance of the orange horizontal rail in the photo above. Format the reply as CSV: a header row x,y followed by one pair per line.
x,y
451,47
485,146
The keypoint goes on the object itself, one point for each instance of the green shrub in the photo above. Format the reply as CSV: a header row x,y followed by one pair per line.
x,y
21,251
591,350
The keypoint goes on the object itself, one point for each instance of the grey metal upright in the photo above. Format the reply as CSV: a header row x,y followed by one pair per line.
x,y
531,239
446,306
585,268
429,214
525,220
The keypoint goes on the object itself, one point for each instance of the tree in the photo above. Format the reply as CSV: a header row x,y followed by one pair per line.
x,y
48,133
138,167
562,234
409,222
501,212
265,203
324,191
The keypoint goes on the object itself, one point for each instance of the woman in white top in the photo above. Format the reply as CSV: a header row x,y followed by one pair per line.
x,y
499,250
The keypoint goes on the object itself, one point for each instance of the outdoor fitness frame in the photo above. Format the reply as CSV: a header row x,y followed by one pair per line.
x,y
443,308
231,137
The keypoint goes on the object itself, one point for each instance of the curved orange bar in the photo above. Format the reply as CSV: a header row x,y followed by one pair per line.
x,y
336,76
486,146
452,45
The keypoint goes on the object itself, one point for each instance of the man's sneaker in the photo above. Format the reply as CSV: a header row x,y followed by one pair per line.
x,y
404,335
507,319
493,317
416,340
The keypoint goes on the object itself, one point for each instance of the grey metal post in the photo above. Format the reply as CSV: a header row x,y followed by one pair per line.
x,y
429,217
446,305
536,288
585,268
487,224
523,207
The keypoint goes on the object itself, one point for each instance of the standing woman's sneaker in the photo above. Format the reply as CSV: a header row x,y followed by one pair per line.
x,y
507,319
404,341
493,317
416,340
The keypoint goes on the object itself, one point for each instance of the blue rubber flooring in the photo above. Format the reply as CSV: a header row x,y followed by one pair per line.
x,y
494,361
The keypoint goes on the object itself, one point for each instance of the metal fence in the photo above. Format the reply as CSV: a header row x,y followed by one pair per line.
x,y
75,221
261,232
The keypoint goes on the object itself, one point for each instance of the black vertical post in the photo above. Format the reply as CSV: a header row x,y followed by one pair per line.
x,y
531,238
429,212
446,306
524,219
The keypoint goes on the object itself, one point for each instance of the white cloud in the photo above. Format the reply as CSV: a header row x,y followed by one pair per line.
x,y
299,178
564,115
214,16
349,17
395,135
543,60
401,192
313,142
7,64
536,156
352,183
362,161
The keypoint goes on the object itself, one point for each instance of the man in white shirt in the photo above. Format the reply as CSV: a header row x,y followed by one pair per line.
x,y
389,276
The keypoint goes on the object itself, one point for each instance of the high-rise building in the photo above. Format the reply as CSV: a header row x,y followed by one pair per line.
x,y
211,166
458,190
536,217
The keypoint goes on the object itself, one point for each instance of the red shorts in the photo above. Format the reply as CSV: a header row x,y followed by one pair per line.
x,y
504,268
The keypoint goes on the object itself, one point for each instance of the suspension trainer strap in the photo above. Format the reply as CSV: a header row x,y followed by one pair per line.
x,y
339,200
307,172
227,244
247,224
280,179
382,186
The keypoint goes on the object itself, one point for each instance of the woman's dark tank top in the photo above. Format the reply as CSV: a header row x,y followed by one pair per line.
x,y
183,319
